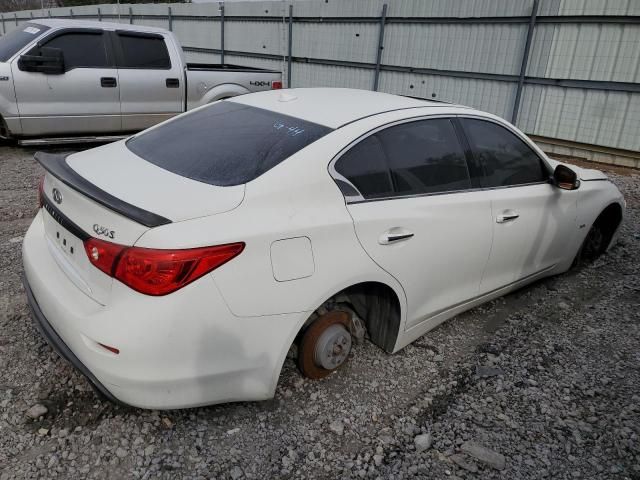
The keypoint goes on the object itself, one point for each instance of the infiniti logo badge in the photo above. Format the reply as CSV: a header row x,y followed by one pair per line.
x,y
57,196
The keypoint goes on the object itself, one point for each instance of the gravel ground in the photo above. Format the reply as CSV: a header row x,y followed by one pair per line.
x,y
544,383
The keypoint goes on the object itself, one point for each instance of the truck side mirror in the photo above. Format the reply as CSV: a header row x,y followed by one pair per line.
x,y
565,178
50,60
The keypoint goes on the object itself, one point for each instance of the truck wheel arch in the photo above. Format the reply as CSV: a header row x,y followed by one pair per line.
x,y
220,92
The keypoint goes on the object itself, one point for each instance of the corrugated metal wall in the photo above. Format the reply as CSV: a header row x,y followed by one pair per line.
x,y
582,78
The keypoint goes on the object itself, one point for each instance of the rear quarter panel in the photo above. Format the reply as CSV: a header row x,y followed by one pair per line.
x,y
297,198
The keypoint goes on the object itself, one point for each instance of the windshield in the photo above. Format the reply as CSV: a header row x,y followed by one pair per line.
x,y
225,143
18,38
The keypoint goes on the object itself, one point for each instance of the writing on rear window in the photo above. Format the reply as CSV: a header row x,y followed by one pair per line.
x,y
291,130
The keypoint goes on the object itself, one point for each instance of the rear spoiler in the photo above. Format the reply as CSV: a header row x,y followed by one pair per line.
x,y
56,165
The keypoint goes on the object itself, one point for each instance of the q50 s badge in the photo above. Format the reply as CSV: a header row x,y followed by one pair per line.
x,y
104,231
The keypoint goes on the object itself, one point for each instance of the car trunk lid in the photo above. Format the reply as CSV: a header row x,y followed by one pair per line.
x,y
110,198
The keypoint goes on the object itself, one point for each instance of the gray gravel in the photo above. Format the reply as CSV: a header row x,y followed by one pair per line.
x,y
544,383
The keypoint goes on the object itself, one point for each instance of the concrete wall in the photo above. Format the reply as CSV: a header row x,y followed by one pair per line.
x,y
582,80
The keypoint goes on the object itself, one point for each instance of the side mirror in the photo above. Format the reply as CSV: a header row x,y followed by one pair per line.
x,y
565,178
50,60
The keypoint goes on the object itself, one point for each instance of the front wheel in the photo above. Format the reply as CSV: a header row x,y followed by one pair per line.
x,y
594,244
325,345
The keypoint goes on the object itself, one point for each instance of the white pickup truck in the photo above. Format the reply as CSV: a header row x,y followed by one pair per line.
x,y
69,80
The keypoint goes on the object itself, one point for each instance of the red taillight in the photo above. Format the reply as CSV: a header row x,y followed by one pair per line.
x,y
276,85
41,192
158,272
103,255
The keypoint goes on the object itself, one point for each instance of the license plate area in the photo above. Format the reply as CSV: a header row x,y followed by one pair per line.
x,y
64,240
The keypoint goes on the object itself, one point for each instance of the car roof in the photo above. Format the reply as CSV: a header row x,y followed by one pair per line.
x,y
333,107
66,23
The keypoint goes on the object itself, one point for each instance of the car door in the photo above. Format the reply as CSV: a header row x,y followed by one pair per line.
x,y
415,212
533,221
83,99
151,84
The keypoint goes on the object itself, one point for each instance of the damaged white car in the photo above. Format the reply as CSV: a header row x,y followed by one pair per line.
x,y
177,268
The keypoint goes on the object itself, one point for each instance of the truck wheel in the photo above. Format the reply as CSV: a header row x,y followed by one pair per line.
x,y
325,345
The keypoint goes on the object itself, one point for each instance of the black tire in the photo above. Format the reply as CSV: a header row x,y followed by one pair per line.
x,y
595,243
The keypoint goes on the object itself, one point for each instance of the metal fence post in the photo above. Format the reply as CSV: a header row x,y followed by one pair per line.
x,y
71,12
383,20
290,47
31,13
525,61
16,17
4,31
170,20
99,15
130,15
49,13
222,34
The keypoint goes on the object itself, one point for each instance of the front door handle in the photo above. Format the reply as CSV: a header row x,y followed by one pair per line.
x,y
507,216
172,82
394,235
108,82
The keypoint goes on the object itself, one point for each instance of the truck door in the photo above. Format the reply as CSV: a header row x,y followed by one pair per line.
x,y
85,98
151,79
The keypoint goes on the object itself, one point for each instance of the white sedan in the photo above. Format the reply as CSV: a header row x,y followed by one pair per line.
x,y
179,267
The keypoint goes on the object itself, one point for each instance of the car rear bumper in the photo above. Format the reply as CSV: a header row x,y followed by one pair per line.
x,y
181,350
53,339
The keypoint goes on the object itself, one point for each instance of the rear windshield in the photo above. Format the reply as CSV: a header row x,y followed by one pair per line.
x,y
18,38
226,143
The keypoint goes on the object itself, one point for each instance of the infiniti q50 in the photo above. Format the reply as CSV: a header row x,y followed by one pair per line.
x,y
178,267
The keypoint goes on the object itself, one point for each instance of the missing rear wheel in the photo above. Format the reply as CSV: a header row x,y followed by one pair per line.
x,y
325,345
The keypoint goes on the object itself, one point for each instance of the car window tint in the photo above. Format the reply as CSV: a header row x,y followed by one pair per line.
x,y
425,157
365,166
505,158
19,38
144,52
87,50
225,143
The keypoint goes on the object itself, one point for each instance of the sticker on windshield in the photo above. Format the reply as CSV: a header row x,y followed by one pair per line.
x,y
32,30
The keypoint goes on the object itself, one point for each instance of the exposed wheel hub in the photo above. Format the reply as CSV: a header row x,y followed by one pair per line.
x,y
332,347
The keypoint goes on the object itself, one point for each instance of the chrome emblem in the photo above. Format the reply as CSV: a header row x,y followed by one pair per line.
x,y
57,196
104,231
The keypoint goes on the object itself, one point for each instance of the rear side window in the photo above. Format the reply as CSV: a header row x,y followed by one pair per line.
x,y
19,38
506,159
412,158
81,50
147,52
225,143
425,157
365,166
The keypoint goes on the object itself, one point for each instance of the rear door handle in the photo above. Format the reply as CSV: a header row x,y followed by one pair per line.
x,y
172,82
108,82
507,216
394,235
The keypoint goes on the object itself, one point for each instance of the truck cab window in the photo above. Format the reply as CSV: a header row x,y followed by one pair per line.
x,y
144,52
80,50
